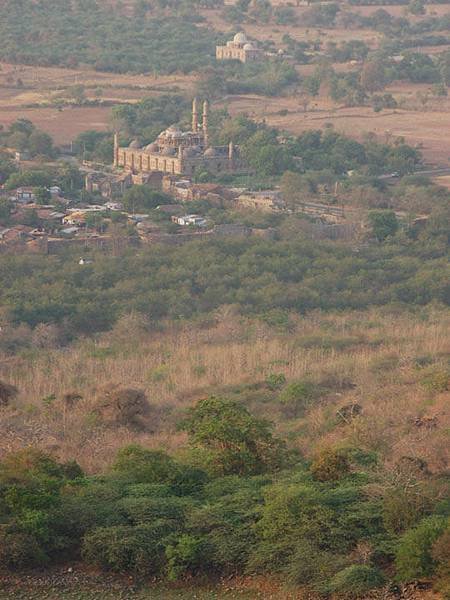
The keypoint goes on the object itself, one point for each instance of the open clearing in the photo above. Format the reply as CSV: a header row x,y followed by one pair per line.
x,y
41,85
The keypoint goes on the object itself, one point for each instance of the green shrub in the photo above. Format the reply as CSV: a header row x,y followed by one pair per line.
x,y
158,490
230,440
313,567
19,550
275,381
437,380
298,396
414,558
169,510
401,510
188,554
355,581
441,554
130,549
139,465
329,465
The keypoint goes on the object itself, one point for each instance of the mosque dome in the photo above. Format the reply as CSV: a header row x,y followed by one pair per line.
x,y
173,131
153,147
135,145
209,152
240,38
249,46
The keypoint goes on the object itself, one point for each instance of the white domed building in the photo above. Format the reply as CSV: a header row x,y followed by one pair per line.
x,y
239,48
176,152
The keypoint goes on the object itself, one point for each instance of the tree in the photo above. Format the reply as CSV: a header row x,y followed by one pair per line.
x,y
76,93
293,188
40,143
383,223
234,440
373,76
24,126
265,155
143,197
7,167
42,195
416,7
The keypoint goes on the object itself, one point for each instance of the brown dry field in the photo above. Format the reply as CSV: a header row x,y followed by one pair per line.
x,y
62,126
419,128
41,84
51,78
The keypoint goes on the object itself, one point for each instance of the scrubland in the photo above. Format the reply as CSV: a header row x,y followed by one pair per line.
x,y
384,361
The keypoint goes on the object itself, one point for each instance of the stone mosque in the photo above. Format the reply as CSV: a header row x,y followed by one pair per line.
x,y
176,152
239,48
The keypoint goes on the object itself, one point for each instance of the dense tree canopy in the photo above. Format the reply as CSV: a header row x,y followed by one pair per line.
x,y
91,32
199,277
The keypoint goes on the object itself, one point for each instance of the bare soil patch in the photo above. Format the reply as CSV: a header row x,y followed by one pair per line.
x,y
64,125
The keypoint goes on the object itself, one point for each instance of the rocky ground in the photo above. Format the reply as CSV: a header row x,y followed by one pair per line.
x,y
77,583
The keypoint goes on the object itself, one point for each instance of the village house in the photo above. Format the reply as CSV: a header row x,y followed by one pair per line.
x,y
77,216
55,191
108,184
17,233
25,195
50,214
186,191
185,220
239,48
116,206
20,156
266,201
77,219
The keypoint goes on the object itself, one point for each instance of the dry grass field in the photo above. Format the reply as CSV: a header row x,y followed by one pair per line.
x,y
377,359
421,128
41,85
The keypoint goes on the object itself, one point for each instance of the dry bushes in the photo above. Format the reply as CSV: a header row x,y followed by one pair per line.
x,y
7,393
250,361
125,407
